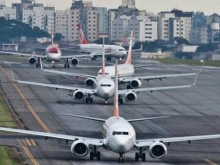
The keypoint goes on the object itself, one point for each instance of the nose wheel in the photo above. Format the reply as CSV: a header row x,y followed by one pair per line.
x,y
121,159
106,101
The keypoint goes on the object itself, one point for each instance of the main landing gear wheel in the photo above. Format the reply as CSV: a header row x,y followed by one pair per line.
x,y
94,153
129,87
89,100
108,58
140,155
66,65
37,65
121,101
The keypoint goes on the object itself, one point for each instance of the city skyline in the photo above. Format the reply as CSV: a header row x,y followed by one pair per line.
x,y
208,7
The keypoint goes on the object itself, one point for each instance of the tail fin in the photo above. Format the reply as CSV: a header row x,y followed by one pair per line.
x,y
103,57
81,35
116,110
128,61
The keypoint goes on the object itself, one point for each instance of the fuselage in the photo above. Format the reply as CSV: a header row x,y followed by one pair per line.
x,y
53,53
114,50
105,87
119,135
123,70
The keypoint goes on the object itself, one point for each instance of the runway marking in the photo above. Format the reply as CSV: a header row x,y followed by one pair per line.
x,y
33,142
209,162
27,103
30,156
27,142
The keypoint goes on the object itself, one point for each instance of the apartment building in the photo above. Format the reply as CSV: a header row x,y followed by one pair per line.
x,y
61,23
7,12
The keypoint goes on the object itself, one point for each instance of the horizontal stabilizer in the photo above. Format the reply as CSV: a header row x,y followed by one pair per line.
x,y
84,117
149,118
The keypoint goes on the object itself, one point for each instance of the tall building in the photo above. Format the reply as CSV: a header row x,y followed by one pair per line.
x,y
103,19
7,12
42,17
175,24
87,15
61,22
198,20
127,8
198,36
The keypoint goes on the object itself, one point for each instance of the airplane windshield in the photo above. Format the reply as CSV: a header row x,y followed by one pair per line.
x,y
121,50
105,73
105,85
120,133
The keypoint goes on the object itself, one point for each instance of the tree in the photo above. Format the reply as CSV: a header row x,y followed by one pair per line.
x,y
58,37
181,40
207,47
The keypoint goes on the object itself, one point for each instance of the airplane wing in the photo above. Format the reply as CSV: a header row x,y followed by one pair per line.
x,y
92,55
56,86
148,142
23,54
90,141
69,74
147,78
124,91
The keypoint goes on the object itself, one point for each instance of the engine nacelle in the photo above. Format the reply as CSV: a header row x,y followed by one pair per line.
x,y
74,61
158,150
130,96
79,148
136,83
91,82
32,60
79,95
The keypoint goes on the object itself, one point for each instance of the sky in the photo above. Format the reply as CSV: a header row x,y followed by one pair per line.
x,y
155,6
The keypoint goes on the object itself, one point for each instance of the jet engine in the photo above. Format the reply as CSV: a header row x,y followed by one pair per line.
x,y
78,95
136,83
130,96
79,148
158,150
31,60
90,82
74,61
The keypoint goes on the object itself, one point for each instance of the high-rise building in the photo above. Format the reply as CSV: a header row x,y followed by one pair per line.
x,y
42,17
61,22
7,12
87,15
103,19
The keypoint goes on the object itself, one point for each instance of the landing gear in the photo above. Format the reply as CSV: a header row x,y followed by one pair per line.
x,y
66,65
94,153
108,58
120,100
140,155
89,99
93,58
38,63
121,159
129,87
53,64
106,101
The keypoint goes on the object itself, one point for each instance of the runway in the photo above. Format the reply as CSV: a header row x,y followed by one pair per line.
x,y
193,111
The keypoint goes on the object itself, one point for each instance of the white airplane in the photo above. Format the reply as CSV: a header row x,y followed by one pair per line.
x,y
52,54
125,72
96,49
119,136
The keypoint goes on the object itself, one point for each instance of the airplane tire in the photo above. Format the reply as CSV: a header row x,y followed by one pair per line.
x,y
37,65
91,100
64,65
121,101
98,156
91,155
143,157
136,156
87,100
68,65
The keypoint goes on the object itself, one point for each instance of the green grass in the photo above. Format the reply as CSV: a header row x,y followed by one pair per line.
x,y
5,157
188,62
15,58
6,120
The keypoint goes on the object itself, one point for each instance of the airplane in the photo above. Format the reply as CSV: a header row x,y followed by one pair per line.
x,y
52,54
119,136
95,50
125,70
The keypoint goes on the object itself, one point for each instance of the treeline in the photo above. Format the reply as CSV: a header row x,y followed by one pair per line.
x,y
14,28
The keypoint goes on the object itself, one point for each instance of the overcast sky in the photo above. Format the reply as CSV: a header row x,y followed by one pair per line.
x,y
155,6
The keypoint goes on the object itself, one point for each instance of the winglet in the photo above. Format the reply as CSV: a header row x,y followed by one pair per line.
x,y
128,61
81,35
103,57
116,110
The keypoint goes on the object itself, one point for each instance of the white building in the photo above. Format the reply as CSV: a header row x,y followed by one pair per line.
x,y
120,27
61,23
7,12
42,17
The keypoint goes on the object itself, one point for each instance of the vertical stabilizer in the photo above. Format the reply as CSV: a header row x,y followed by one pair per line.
x,y
81,35
128,61
116,110
103,57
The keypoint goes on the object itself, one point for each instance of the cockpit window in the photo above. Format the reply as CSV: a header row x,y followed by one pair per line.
x,y
120,133
105,85
105,73
121,50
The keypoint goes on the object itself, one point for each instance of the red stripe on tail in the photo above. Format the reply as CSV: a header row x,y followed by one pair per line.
x,y
128,61
81,35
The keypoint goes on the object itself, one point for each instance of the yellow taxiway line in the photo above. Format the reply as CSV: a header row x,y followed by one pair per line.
x,y
209,162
